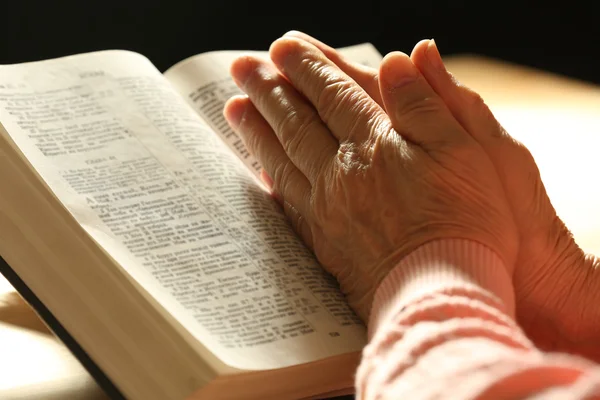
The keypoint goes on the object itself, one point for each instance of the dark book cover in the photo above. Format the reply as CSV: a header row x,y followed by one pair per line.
x,y
93,369
103,381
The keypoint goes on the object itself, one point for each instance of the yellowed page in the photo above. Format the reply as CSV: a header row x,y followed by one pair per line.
x,y
161,193
563,133
204,81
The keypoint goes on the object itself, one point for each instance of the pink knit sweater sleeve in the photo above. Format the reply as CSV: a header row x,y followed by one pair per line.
x,y
442,327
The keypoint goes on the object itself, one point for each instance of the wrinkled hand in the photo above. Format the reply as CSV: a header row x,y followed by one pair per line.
x,y
551,271
364,189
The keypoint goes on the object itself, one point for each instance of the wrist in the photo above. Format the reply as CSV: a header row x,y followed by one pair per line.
x,y
557,313
438,266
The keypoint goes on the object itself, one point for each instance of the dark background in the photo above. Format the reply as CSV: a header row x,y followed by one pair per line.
x,y
562,37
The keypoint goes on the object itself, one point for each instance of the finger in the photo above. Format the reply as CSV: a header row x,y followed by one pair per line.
x,y
415,110
473,114
365,76
343,105
299,223
266,179
306,140
467,106
260,140
313,237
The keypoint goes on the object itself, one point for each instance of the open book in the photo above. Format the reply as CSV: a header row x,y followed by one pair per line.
x,y
134,215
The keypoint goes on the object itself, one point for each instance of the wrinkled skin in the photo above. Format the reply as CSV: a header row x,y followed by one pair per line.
x,y
551,272
365,183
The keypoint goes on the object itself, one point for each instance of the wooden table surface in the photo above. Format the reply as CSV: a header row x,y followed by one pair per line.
x,y
562,113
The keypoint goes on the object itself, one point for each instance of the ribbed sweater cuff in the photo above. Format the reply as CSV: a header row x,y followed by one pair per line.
x,y
440,266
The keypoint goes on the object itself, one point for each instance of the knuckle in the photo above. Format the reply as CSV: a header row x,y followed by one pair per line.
x,y
334,96
292,127
461,147
263,86
282,174
309,66
292,214
345,105
474,99
286,123
250,138
424,107
313,69
289,188
297,139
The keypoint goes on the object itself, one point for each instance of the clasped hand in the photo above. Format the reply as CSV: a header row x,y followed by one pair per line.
x,y
365,186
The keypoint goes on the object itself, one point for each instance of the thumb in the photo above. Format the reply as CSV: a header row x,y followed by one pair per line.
x,y
465,104
472,113
415,110
514,163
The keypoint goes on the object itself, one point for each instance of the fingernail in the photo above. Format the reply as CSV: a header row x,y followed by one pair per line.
x,y
292,33
434,57
287,51
242,68
279,53
267,180
234,114
399,70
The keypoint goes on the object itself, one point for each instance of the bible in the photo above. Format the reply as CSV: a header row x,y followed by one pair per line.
x,y
134,217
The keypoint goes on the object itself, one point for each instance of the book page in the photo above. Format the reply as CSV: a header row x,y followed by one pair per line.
x,y
205,83
182,215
